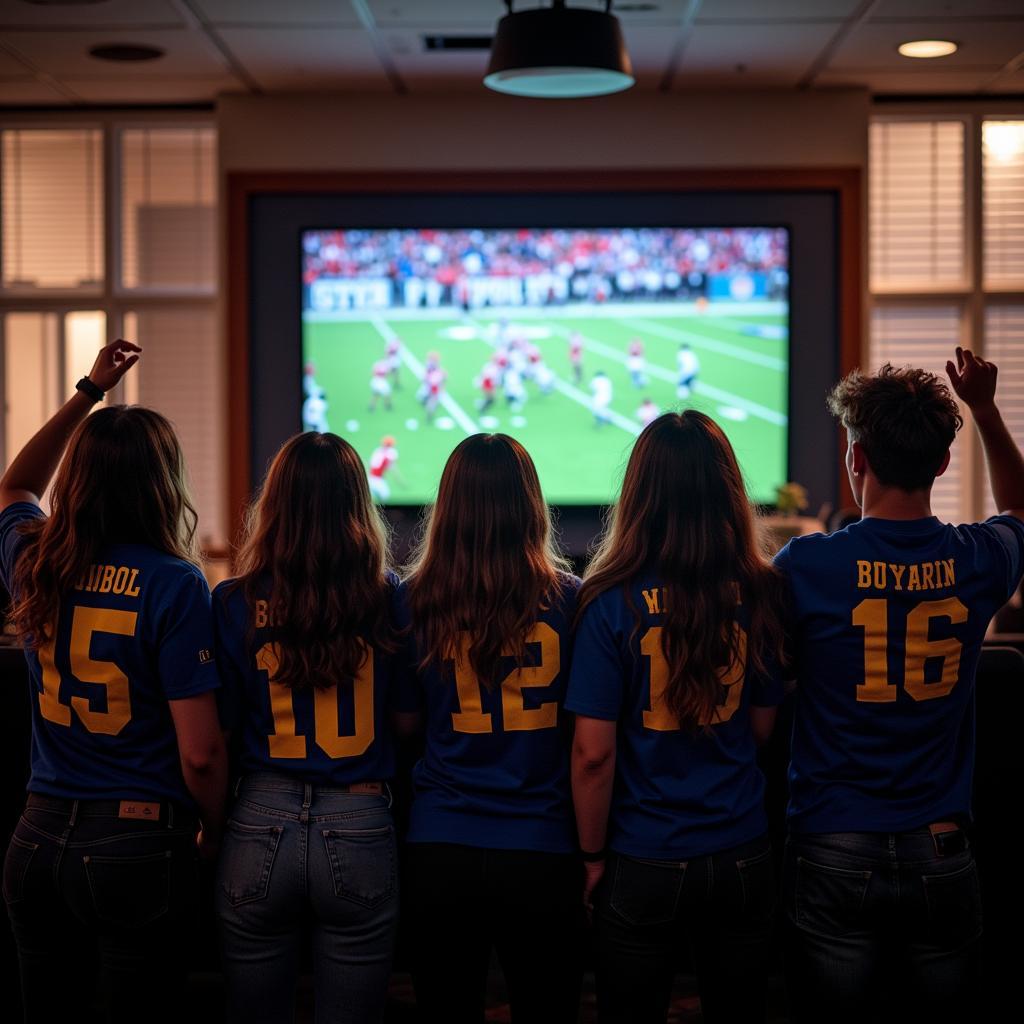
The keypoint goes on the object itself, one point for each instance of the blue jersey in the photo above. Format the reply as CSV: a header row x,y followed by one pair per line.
x,y
495,772
134,633
327,737
888,621
678,793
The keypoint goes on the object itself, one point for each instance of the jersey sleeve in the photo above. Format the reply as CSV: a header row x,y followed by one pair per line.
x,y
185,659
229,648
1006,536
12,540
598,674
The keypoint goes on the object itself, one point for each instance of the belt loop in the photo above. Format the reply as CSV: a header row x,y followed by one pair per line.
x,y
170,815
73,819
307,799
238,786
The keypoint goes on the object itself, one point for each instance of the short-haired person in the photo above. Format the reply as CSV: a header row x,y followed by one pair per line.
x,y
673,685
492,861
306,639
888,620
127,752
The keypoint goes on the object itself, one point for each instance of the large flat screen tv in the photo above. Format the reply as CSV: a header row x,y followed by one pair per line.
x,y
570,339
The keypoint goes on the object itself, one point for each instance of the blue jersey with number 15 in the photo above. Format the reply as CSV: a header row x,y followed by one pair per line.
x,y
134,633
889,617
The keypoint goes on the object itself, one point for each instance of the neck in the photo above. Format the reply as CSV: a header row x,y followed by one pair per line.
x,y
892,503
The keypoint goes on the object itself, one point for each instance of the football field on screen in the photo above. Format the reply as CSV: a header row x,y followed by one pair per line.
x,y
743,384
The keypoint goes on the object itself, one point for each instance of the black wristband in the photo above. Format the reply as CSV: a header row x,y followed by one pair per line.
x,y
94,391
596,855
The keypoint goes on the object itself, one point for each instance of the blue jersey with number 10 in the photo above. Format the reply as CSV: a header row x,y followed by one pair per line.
x,y
134,633
496,768
889,617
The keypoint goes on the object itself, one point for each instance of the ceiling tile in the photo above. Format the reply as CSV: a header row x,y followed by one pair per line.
x,y
21,91
279,12
67,53
771,10
292,60
113,13
938,9
181,89
456,15
983,44
781,51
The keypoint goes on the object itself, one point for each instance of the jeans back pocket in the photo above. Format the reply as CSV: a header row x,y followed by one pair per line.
x,y
646,892
363,863
247,861
954,906
129,892
829,900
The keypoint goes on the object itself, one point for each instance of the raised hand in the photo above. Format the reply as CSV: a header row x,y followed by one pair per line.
x,y
113,362
973,379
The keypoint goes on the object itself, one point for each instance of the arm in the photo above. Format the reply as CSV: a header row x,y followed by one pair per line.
x,y
762,723
974,381
30,473
204,763
593,773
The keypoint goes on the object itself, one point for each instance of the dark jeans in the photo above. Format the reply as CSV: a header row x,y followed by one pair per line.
x,y
307,865
88,891
645,911
872,918
465,901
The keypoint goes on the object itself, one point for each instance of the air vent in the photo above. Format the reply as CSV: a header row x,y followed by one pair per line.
x,y
457,42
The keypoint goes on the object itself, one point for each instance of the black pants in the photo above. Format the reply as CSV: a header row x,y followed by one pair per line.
x,y
647,910
90,893
464,901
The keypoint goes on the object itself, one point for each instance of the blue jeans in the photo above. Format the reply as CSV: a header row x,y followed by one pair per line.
x,y
645,911
86,888
300,865
874,920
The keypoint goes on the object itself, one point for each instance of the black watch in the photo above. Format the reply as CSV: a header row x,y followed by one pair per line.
x,y
94,391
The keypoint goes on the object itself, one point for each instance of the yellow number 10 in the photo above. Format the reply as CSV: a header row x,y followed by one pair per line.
x,y
872,615
285,742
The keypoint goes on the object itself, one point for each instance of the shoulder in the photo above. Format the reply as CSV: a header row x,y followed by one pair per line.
x,y
811,548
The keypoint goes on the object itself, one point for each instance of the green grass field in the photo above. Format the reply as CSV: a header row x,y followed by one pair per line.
x,y
743,384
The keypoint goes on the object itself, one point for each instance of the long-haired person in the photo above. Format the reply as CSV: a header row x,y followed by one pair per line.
x,y
306,639
127,753
491,853
672,688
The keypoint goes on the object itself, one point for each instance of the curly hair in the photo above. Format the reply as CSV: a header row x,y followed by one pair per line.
x,y
904,418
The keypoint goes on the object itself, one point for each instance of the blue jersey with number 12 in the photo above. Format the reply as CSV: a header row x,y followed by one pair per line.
x,y
135,632
889,617
495,772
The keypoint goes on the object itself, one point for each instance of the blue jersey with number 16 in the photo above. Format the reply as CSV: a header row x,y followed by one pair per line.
x,y
889,617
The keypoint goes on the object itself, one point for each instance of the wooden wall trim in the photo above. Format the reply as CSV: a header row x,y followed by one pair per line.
x,y
242,185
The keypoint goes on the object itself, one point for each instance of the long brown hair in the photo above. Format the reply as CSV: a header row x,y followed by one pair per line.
x,y
122,480
486,560
683,514
316,550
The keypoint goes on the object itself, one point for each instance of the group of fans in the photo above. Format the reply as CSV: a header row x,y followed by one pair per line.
x,y
438,267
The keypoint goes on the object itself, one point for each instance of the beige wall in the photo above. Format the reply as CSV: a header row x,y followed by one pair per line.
x,y
630,130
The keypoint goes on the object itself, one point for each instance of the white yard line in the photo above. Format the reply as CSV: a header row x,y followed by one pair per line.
x,y
754,408
711,344
457,412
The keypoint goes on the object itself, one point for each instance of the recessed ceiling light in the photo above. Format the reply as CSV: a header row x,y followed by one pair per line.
x,y
125,52
928,48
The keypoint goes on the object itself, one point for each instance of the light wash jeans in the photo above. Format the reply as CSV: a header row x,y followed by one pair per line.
x,y
304,864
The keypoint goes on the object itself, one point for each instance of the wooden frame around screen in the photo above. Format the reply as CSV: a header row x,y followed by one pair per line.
x,y
241,186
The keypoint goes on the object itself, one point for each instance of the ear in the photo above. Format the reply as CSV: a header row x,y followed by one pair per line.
x,y
945,464
859,461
